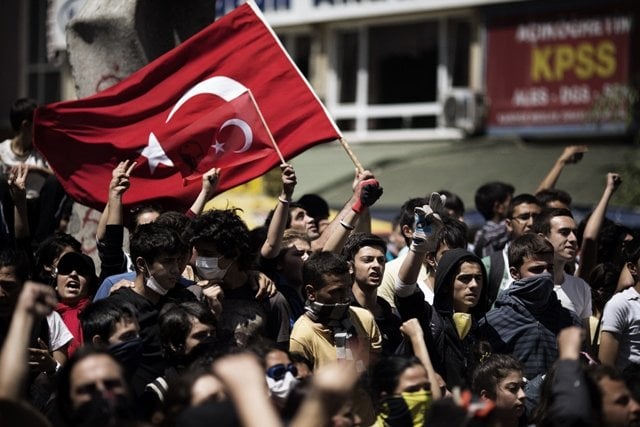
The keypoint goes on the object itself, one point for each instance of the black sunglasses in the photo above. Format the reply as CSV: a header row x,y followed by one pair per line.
x,y
277,372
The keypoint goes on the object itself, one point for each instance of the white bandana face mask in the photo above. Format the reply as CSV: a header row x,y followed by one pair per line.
x,y
209,268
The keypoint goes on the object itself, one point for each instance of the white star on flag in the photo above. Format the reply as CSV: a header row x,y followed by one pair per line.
x,y
155,154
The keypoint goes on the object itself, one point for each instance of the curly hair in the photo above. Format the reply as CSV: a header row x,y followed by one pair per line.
x,y
226,230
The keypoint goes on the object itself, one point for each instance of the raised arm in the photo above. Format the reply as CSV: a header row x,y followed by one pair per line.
x,y
412,330
119,184
35,301
272,245
367,191
245,381
425,227
571,154
332,386
589,248
209,184
18,190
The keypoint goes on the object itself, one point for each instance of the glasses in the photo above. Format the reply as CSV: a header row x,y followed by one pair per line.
x,y
277,372
66,268
526,216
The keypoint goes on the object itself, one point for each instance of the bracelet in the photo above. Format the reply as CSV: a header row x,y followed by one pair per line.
x,y
285,201
347,226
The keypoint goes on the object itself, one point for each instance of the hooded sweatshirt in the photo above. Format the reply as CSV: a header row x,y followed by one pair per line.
x,y
453,356
525,321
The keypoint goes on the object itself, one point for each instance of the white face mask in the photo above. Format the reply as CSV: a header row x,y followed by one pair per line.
x,y
280,389
154,285
209,268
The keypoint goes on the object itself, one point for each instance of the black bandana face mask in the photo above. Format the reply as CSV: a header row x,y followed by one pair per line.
x,y
327,313
103,411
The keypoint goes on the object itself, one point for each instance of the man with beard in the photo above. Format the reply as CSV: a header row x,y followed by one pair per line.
x,y
92,391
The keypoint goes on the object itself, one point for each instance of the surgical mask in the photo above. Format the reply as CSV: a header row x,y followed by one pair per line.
x,y
325,313
409,408
280,388
209,268
154,285
128,353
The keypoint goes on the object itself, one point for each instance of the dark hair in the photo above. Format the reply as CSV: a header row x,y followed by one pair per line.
x,y
138,210
357,241
549,195
323,264
64,376
542,223
632,250
407,214
385,374
100,318
491,193
453,233
18,260
51,248
453,203
491,371
150,241
21,109
522,199
528,246
226,230
315,206
603,281
175,324
177,221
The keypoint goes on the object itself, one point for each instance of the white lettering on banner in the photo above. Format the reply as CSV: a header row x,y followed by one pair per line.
x,y
575,29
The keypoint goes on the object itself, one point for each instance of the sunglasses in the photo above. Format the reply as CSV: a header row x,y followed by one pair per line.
x,y
277,372
66,268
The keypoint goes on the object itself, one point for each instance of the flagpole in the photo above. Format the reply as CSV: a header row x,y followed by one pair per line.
x,y
351,154
264,123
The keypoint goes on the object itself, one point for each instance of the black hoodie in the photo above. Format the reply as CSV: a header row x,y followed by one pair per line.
x,y
453,357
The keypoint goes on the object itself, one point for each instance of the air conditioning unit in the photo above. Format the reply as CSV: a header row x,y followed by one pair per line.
x,y
464,109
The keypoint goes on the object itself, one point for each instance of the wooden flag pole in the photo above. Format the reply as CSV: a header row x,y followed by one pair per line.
x,y
264,123
351,154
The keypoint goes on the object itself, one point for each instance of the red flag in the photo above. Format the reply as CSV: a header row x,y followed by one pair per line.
x,y
184,113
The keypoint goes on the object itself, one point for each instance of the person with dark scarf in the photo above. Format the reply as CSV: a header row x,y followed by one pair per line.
x,y
75,284
528,316
331,329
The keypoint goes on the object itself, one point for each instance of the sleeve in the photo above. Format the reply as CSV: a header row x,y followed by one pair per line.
x,y
59,334
569,396
588,308
614,315
297,345
112,257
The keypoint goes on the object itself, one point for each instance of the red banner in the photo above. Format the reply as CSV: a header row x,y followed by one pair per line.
x,y
184,113
559,76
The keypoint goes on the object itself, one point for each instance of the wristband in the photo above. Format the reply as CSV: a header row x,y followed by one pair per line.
x,y
285,201
347,226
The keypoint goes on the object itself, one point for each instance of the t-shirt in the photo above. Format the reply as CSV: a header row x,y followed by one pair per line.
x,y
621,316
575,295
315,341
386,289
59,334
8,159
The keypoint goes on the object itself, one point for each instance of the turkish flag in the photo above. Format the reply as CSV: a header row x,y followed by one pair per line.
x,y
184,113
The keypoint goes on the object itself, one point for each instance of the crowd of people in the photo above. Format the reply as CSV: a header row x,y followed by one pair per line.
x,y
312,320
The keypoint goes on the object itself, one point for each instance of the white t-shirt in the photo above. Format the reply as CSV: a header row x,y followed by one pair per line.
x,y
621,316
8,159
575,295
59,334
